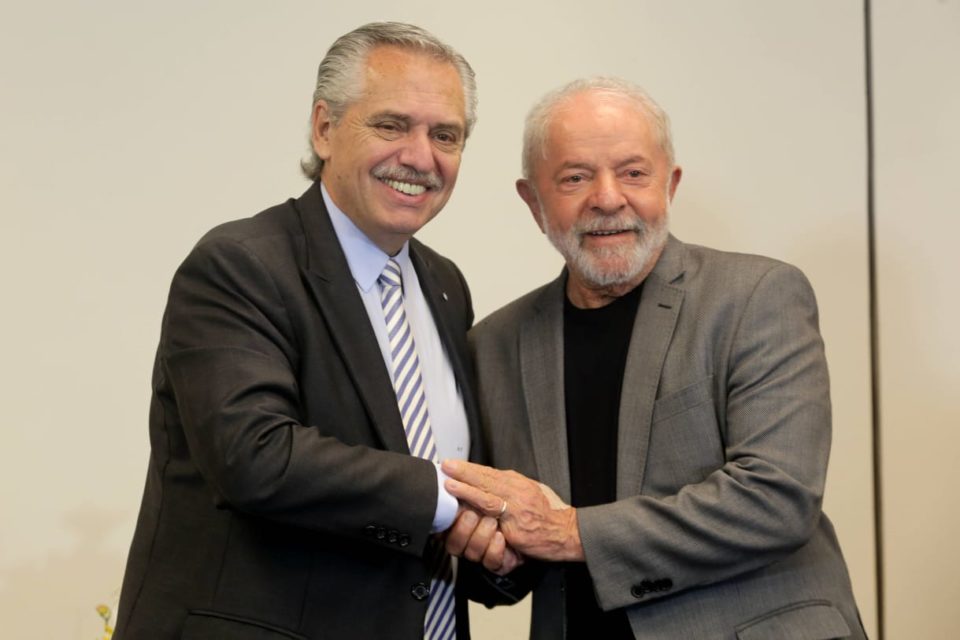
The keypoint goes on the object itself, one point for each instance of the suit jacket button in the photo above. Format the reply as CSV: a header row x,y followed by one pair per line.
x,y
419,591
640,590
381,533
503,582
392,536
370,530
404,540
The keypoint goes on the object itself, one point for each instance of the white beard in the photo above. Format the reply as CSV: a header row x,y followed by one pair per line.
x,y
609,266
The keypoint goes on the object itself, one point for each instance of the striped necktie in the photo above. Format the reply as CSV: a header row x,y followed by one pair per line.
x,y
440,622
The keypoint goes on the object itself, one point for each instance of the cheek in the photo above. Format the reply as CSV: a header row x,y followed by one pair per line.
x,y
650,206
449,167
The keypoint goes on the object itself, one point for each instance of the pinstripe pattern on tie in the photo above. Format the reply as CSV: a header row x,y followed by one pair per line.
x,y
440,621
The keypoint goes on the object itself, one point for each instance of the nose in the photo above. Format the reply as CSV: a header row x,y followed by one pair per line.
x,y
417,151
606,195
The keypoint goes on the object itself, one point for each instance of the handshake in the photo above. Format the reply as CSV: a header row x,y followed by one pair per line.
x,y
505,517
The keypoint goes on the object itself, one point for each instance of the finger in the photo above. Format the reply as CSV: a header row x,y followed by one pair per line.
x,y
458,536
493,557
511,560
485,503
477,475
480,540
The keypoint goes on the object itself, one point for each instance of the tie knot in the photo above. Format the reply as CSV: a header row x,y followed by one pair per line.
x,y
390,276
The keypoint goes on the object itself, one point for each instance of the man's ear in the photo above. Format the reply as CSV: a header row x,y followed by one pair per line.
x,y
321,124
529,195
675,176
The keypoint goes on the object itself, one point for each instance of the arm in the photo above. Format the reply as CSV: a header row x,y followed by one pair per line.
x,y
232,358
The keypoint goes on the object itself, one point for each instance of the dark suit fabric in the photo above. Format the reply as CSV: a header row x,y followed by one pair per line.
x,y
723,439
281,500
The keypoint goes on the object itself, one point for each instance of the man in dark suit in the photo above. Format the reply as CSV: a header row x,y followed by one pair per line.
x,y
305,353
674,397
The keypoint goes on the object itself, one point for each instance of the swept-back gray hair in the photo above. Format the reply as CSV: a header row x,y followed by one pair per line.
x,y
538,119
340,79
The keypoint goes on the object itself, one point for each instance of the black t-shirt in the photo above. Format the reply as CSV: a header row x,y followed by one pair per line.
x,y
595,344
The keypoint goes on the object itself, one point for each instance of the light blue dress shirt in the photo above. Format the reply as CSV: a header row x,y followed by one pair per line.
x,y
448,417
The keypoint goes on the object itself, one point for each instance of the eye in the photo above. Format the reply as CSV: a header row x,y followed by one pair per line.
x,y
574,179
388,128
447,139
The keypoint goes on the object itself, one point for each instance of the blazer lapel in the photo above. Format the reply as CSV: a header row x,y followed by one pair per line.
x,y
541,370
327,275
652,331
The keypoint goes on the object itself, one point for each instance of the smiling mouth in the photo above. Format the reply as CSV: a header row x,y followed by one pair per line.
x,y
407,188
611,232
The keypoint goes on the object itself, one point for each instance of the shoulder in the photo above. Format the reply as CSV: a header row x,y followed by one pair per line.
x,y
727,273
506,321
277,221
726,289
270,242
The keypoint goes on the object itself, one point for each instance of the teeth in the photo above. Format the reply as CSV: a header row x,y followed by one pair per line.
x,y
604,233
406,187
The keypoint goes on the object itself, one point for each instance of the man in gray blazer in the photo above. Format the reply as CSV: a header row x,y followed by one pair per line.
x,y
673,401
282,500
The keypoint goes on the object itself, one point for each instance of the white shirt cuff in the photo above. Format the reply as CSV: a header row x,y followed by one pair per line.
x,y
447,505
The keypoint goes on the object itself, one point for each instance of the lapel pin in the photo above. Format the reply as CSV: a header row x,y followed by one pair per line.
x,y
444,294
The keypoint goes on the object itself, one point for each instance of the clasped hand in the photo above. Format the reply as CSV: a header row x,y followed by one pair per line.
x,y
536,523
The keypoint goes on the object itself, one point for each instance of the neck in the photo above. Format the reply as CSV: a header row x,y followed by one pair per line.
x,y
584,294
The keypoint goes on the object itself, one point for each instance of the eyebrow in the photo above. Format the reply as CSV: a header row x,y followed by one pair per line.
x,y
636,159
641,159
458,126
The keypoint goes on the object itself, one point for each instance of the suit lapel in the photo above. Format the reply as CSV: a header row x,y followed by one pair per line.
x,y
541,369
652,331
327,275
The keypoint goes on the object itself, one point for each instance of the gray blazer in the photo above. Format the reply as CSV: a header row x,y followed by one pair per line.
x,y
723,439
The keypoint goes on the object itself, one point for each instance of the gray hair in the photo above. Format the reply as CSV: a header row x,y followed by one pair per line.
x,y
538,119
340,76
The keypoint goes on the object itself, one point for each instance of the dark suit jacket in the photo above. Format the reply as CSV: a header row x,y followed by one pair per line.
x,y
281,500
723,440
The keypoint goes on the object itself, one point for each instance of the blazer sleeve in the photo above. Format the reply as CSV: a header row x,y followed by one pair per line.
x,y
229,363
764,502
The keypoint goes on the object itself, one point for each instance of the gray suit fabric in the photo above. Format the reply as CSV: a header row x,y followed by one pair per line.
x,y
281,500
723,441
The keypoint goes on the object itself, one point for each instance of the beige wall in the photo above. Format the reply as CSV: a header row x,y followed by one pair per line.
x,y
128,129
917,46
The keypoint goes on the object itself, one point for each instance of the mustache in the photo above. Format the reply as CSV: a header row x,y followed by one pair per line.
x,y
618,223
403,173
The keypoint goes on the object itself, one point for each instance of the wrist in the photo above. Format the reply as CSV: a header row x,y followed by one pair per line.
x,y
573,547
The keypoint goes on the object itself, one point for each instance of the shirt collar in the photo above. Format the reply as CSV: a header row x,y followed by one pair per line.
x,y
365,259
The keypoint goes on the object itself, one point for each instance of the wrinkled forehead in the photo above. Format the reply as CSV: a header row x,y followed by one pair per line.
x,y
597,108
399,76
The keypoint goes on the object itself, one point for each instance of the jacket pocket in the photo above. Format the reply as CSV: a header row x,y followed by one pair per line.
x,y
212,624
812,620
684,399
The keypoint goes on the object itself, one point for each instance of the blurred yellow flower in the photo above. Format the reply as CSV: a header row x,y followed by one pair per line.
x,y
106,614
